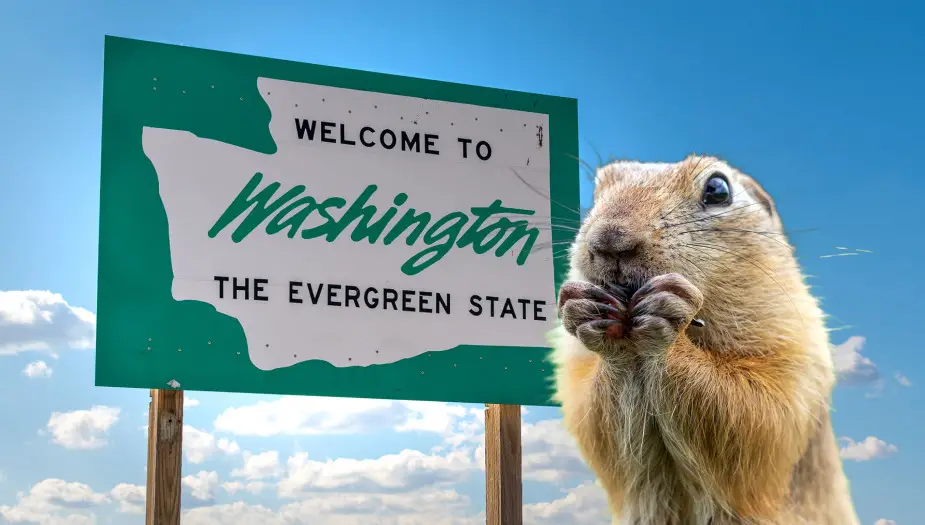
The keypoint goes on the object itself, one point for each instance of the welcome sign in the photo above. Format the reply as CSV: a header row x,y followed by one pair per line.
x,y
277,227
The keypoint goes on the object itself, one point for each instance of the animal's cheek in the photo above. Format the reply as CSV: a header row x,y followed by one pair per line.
x,y
582,261
655,253
663,257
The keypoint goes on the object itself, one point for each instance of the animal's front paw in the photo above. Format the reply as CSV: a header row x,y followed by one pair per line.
x,y
659,310
597,317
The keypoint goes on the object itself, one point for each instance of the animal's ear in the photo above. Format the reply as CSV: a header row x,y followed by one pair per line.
x,y
757,192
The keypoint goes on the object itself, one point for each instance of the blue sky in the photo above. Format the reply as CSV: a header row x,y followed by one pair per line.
x,y
822,104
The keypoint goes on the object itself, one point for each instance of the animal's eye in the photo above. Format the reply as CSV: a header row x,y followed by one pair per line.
x,y
716,191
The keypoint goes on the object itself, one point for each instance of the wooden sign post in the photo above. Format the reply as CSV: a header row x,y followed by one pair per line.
x,y
503,461
503,468
165,455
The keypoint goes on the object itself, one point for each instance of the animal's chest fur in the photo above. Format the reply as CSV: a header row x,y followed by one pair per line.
x,y
629,451
635,456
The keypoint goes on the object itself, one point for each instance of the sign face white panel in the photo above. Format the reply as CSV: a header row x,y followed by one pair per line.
x,y
269,226
370,233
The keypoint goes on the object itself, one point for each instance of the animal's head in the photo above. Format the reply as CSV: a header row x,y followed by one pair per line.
x,y
699,217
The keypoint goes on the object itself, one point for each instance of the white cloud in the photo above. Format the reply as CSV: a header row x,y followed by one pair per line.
x,y
227,446
468,430
189,402
82,429
549,452
237,513
298,415
883,521
37,369
131,498
854,369
428,416
903,380
407,470
259,466
55,502
199,445
202,485
424,507
35,320
870,448
585,504
254,487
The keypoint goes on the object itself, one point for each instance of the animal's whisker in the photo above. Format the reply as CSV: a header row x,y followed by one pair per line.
x,y
553,225
756,265
544,218
766,235
544,245
588,169
732,209
694,264
712,259
692,214
715,216
541,194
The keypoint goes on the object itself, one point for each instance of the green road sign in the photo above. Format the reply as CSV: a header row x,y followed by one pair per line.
x,y
276,227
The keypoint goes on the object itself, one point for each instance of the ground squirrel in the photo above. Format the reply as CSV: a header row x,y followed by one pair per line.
x,y
693,365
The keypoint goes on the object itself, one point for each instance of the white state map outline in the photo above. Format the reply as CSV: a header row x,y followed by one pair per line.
x,y
281,334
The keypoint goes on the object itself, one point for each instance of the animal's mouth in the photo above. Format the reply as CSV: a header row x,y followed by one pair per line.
x,y
630,288
622,281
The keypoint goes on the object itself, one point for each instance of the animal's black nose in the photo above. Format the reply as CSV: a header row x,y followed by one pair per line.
x,y
613,242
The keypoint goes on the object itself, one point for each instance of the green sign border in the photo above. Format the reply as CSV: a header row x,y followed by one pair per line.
x,y
145,338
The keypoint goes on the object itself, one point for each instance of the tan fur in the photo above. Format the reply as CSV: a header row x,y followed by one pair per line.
x,y
730,425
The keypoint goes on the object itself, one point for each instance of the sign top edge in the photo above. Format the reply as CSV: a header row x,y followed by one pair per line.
x,y
111,40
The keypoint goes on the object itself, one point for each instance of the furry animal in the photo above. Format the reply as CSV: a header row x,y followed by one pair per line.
x,y
693,365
